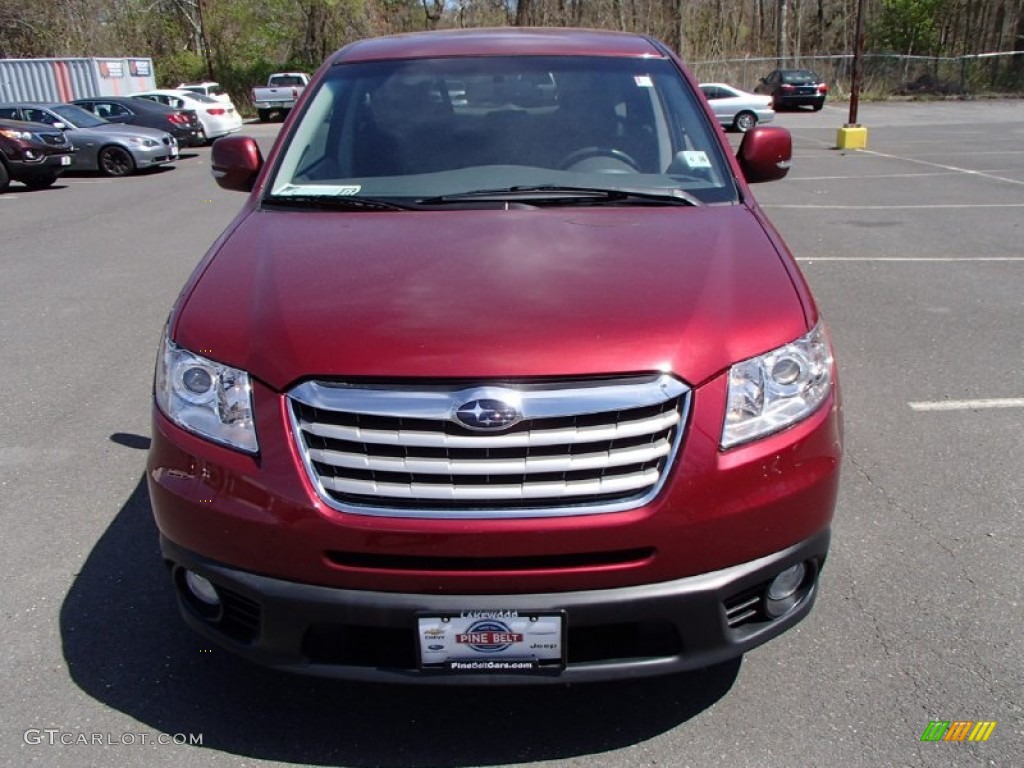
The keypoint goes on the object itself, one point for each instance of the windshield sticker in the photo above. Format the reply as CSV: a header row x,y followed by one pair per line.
x,y
327,190
696,159
643,81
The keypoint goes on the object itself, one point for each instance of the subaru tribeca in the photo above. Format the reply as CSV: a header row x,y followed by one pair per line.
x,y
499,375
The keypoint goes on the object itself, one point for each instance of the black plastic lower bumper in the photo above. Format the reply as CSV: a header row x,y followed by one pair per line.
x,y
652,629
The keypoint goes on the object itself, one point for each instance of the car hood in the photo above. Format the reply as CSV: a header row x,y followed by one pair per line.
x,y
117,131
491,294
25,125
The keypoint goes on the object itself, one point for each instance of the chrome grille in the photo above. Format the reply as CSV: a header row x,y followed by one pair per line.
x,y
574,448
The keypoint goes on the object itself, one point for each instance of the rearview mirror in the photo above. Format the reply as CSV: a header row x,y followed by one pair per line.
x,y
236,162
765,154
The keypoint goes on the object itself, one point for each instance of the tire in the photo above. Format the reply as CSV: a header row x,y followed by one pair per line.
x,y
116,161
40,180
744,121
5,178
264,115
817,106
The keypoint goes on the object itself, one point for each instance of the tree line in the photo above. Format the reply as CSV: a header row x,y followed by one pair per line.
x,y
239,42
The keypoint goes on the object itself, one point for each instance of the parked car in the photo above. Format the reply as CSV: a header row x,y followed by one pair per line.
x,y
217,118
182,124
521,389
794,88
207,88
738,109
115,150
32,153
279,95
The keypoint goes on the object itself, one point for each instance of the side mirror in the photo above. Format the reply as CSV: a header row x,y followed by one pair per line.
x,y
60,126
765,154
236,162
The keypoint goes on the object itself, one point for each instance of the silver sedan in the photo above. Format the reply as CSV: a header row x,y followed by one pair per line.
x,y
111,148
738,109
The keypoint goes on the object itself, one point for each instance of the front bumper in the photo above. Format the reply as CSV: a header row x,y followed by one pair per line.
x,y
51,162
646,630
147,157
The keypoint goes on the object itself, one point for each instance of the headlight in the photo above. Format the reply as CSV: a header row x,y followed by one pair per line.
x,y
775,390
139,142
205,397
10,133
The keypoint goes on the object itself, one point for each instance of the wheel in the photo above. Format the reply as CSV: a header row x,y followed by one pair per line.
x,y
5,179
116,161
264,115
589,153
40,180
744,121
817,106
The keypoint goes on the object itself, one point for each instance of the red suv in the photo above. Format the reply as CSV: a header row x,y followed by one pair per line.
x,y
32,153
500,375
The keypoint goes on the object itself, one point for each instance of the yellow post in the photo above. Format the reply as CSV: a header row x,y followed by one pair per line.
x,y
852,136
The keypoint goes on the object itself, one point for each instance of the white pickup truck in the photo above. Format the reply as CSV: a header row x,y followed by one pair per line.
x,y
279,95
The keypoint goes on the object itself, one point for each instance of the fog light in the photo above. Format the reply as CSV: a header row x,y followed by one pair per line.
x,y
787,583
202,589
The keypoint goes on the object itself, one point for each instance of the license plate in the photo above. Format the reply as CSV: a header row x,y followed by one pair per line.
x,y
174,151
65,159
497,641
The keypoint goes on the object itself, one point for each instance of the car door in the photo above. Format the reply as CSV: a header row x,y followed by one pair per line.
x,y
770,83
84,141
115,113
718,98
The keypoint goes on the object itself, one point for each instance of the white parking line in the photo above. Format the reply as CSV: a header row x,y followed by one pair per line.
x,y
864,177
966,171
911,258
972,153
967,405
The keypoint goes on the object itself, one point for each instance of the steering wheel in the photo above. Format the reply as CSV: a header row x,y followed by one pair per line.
x,y
589,153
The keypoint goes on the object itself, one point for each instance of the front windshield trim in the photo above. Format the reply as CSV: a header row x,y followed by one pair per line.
x,y
554,193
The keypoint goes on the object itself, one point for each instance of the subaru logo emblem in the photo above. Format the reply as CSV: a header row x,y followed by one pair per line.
x,y
487,414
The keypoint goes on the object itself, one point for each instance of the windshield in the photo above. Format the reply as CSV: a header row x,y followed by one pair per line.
x,y
202,98
78,117
413,130
799,77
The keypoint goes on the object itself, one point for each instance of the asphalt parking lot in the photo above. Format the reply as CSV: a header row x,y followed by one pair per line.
x,y
914,250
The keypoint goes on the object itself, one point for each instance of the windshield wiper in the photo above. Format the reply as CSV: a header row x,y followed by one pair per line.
x,y
554,194
335,202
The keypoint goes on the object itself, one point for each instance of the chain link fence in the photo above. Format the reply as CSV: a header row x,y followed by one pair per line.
x,y
884,75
